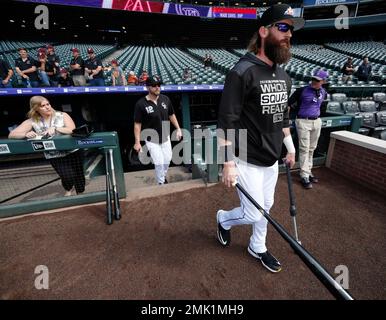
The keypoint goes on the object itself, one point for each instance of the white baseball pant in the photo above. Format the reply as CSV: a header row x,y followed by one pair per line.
x,y
161,155
260,183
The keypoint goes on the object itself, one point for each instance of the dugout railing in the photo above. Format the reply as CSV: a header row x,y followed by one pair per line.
x,y
29,183
203,147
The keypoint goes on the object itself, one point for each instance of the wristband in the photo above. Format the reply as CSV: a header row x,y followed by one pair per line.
x,y
289,144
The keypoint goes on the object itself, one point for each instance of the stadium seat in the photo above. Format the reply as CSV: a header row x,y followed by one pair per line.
x,y
169,62
334,107
367,106
375,51
383,135
381,118
381,106
350,107
378,131
339,97
380,100
364,131
368,119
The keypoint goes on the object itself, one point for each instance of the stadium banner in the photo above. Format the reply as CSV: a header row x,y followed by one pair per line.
x,y
81,3
128,5
134,5
112,89
172,8
319,3
236,13
187,10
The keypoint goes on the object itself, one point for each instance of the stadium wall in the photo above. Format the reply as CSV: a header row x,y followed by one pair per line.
x,y
359,158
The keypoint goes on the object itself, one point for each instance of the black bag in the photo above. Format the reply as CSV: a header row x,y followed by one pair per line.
x,y
82,132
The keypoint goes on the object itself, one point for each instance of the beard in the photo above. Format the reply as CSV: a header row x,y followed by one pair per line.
x,y
277,51
155,92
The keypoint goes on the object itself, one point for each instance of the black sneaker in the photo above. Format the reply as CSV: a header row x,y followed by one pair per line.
x,y
166,181
267,260
314,179
223,236
306,183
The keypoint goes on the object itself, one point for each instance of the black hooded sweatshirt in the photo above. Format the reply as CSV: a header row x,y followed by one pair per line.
x,y
255,98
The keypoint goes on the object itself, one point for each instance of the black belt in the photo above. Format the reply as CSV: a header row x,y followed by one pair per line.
x,y
308,118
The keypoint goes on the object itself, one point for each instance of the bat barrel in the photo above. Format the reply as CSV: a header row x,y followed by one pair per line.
x,y
117,209
108,192
324,277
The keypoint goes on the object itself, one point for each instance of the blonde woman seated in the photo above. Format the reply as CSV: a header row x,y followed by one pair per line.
x,y
43,120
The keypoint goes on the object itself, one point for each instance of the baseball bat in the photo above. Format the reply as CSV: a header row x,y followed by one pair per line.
x,y
329,282
108,191
117,207
292,199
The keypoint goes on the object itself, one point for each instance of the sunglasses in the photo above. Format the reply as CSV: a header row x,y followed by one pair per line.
x,y
282,27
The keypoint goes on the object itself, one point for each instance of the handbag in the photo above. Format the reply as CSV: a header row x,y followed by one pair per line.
x,y
82,132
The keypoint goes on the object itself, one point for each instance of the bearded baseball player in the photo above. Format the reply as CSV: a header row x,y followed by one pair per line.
x,y
255,98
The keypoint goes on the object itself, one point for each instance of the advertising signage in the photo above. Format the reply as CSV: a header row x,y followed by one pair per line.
x,y
135,5
82,3
187,10
235,13
316,3
170,8
127,5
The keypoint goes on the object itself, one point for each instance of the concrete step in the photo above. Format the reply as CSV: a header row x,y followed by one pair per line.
x,y
144,178
159,190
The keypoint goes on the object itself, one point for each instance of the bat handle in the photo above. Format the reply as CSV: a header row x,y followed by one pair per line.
x,y
293,210
117,209
108,193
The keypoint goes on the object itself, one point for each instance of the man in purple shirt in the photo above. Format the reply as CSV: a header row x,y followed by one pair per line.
x,y
307,102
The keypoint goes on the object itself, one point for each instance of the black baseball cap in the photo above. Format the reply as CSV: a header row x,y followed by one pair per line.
x,y
279,12
153,80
